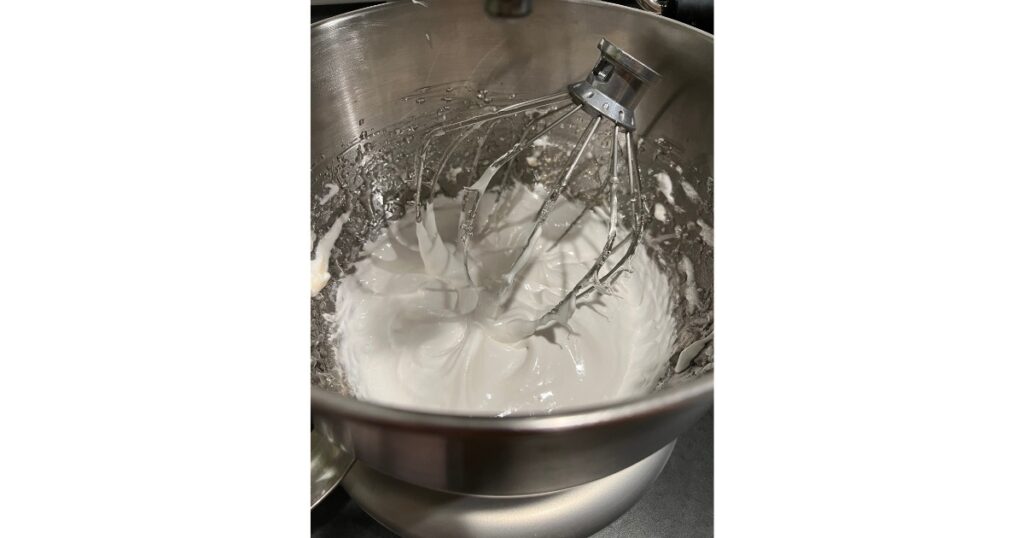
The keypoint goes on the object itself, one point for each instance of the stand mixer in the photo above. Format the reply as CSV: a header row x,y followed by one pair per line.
x,y
483,466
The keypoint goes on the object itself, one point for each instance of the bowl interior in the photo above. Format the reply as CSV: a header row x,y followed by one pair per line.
x,y
383,77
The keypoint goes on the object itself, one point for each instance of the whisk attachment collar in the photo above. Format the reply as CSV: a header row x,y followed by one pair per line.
x,y
614,86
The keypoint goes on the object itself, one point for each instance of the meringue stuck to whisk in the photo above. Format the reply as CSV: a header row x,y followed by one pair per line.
x,y
416,332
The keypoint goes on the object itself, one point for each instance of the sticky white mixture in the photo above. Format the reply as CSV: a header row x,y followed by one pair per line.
x,y
319,275
416,332
533,160
707,233
689,191
332,189
665,186
690,286
659,212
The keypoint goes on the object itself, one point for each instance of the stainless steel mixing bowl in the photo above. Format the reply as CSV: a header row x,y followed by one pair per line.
x,y
365,67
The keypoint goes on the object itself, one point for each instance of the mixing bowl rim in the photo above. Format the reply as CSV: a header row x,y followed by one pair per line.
x,y
394,5
629,409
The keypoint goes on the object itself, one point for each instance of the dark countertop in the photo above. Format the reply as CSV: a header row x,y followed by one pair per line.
x,y
679,504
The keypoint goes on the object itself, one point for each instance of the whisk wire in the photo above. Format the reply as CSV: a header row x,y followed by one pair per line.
x,y
639,214
610,92
475,121
606,250
474,193
545,209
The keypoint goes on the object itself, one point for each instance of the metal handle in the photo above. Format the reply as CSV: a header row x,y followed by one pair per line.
x,y
697,13
508,8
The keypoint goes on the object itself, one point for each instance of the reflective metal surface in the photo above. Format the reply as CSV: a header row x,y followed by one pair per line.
x,y
327,466
654,6
512,455
365,62
363,65
581,511
615,86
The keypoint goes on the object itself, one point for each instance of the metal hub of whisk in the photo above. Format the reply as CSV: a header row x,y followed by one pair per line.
x,y
610,93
